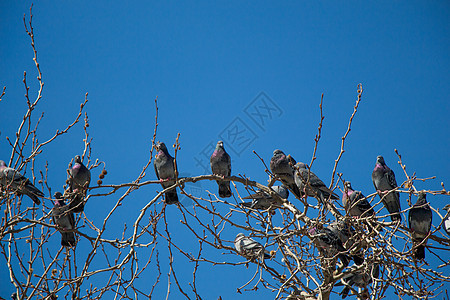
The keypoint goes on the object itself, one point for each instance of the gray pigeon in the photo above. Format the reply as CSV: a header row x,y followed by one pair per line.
x,y
221,165
280,165
446,223
355,203
262,200
348,237
359,278
165,171
249,248
79,180
314,187
384,180
420,217
329,244
10,178
64,219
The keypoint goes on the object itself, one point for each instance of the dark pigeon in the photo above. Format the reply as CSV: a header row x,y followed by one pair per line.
x,y
384,180
419,218
221,165
446,222
79,180
12,179
249,248
361,279
262,200
64,219
329,244
348,237
280,165
165,171
315,187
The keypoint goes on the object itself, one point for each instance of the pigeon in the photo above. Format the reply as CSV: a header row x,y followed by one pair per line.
x,y
360,278
308,182
79,179
348,237
10,178
281,166
420,217
446,222
329,243
262,200
384,180
165,171
249,248
355,203
221,165
64,219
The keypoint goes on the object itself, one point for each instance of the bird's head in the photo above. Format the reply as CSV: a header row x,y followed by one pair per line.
x,y
301,165
239,236
58,195
277,152
59,199
380,160
160,146
348,185
422,198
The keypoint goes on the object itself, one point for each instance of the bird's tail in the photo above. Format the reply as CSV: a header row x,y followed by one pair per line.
x,y
77,203
345,292
224,189
247,204
33,197
294,188
32,192
334,196
171,197
419,253
68,239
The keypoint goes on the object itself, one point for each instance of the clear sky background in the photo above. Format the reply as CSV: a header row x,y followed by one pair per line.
x,y
208,63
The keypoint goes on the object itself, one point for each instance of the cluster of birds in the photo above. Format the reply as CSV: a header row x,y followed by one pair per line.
x,y
333,240
79,178
300,180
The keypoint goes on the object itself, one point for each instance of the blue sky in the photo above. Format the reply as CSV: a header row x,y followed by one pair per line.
x,y
207,62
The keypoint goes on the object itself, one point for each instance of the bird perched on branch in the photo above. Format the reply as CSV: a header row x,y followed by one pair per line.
x,y
64,219
165,171
360,278
262,200
282,166
12,179
329,244
79,180
347,235
221,165
308,182
249,248
384,181
355,203
420,218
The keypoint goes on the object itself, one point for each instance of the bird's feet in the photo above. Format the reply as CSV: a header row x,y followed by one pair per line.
x,y
165,179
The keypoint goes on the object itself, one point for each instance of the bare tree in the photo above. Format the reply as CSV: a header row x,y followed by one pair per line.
x,y
291,233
